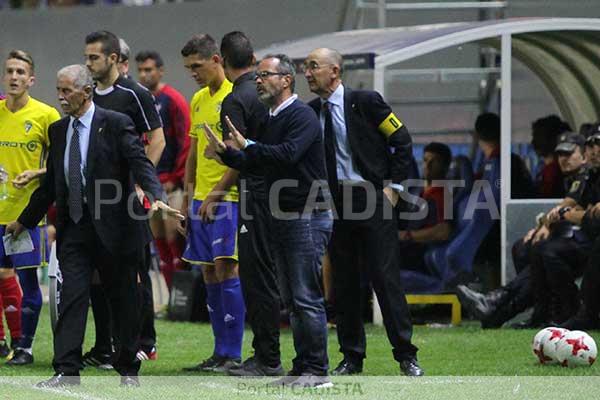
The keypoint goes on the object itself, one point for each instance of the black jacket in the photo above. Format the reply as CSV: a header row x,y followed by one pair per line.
x,y
115,154
381,145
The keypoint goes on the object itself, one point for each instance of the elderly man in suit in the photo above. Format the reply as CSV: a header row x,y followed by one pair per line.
x,y
359,129
95,156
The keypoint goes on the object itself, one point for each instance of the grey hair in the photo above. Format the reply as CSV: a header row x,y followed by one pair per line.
x,y
125,51
285,66
334,57
78,73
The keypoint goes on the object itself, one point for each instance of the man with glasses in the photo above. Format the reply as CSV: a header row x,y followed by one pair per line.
x,y
359,130
257,268
291,152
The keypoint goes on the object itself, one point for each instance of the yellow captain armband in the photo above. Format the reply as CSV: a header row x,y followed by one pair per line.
x,y
390,124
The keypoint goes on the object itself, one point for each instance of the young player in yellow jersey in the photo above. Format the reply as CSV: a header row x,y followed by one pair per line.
x,y
212,215
24,140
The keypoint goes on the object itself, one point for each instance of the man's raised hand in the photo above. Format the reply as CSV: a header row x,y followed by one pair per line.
x,y
238,139
215,143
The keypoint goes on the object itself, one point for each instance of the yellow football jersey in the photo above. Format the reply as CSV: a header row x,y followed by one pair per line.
x,y
207,108
23,144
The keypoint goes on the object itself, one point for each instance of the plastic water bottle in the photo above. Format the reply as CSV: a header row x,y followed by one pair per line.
x,y
3,183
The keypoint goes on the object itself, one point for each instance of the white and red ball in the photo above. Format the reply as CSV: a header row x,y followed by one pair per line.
x,y
545,342
576,348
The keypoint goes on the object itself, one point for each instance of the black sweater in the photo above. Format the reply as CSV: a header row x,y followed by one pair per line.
x,y
291,149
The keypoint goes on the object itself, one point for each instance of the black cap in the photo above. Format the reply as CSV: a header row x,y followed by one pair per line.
x,y
568,141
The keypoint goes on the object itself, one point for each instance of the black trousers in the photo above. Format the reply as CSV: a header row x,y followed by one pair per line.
x,y
105,337
258,277
590,286
555,266
375,239
81,252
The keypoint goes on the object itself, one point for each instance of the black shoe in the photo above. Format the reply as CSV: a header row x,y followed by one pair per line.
x,y
96,359
581,323
227,364
474,302
532,324
20,357
346,367
214,364
312,381
410,367
4,349
130,381
253,367
60,380
287,380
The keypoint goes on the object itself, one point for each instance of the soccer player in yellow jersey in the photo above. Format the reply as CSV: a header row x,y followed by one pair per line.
x,y
212,215
24,125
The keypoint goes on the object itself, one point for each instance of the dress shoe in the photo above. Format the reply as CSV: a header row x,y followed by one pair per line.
x,y
130,381
60,380
20,357
410,367
346,367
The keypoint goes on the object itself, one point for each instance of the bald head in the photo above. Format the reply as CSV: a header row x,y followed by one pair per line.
x,y
329,56
323,71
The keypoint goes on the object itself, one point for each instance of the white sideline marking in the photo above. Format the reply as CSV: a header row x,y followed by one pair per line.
x,y
62,392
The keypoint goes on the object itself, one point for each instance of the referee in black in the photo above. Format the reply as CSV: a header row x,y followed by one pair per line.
x,y
117,93
257,269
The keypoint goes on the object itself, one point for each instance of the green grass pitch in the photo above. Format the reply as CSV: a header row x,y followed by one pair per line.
x,y
461,362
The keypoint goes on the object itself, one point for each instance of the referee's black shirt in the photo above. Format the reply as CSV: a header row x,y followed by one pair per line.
x,y
249,115
129,97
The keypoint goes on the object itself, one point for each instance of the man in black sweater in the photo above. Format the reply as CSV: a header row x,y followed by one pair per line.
x,y
363,173
258,275
292,156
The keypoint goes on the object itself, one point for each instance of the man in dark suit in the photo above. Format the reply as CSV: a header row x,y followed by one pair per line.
x,y
363,173
95,156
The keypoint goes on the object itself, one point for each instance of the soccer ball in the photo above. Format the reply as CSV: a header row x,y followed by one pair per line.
x,y
544,344
576,348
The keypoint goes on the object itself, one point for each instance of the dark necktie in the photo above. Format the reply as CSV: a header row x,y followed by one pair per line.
x,y
75,179
330,149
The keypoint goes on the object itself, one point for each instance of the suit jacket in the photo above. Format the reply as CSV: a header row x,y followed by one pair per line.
x,y
380,144
115,160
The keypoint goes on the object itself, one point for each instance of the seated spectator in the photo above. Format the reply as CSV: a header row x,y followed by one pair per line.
x,y
487,131
435,227
556,251
545,131
592,150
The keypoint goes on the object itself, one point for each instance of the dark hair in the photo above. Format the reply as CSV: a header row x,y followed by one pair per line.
x,y
589,129
110,42
545,132
442,151
149,55
23,56
487,127
286,66
237,50
203,45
